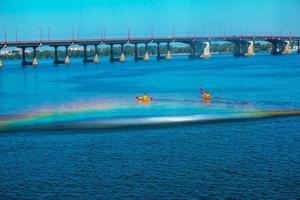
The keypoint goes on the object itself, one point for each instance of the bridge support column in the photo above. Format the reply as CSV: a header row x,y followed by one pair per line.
x,y
24,62
85,59
159,57
55,55
275,49
192,51
168,55
158,52
35,61
237,49
136,53
278,46
96,58
136,56
23,57
206,51
250,49
287,47
243,48
122,57
298,51
56,58
146,56
112,59
67,60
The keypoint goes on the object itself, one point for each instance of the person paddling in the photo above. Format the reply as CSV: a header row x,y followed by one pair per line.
x,y
145,97
205,94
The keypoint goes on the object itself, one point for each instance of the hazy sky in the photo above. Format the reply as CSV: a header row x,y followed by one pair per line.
x,y
188,16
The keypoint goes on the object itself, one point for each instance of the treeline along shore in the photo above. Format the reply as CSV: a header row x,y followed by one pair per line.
x,y
129,51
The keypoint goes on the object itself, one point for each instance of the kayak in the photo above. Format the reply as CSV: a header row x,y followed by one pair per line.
x,y
144,98
206,96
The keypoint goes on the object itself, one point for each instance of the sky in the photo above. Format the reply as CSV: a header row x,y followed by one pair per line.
x,y
63,19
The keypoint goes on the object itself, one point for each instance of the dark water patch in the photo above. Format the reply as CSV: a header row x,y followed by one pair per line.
x,y
214,161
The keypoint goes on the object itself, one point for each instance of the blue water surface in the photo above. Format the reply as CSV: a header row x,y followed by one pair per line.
x,y
254,159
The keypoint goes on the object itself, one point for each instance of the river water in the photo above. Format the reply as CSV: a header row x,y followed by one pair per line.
x,y
77,132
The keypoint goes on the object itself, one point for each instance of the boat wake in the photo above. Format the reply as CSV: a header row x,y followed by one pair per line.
x,y
73,121
99,114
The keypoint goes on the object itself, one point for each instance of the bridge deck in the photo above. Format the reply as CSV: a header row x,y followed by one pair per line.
x,y
108,41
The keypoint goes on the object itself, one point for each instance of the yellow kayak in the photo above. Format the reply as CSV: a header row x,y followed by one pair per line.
x,y
144,98
206,96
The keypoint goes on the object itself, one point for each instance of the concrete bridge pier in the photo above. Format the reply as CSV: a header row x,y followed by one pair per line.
x,y
198,49
275,48
24,62
279,46
298,51
96,58
286,47
168,55
136,56
23,57
206,50
159,56
35,61
239,48
56,59
90,60
243,48
146,56
192,51
122,57
158,52
111,59
136,53
250,49
85,58
67,60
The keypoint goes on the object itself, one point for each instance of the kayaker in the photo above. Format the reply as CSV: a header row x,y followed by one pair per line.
x,y
205,94
145,97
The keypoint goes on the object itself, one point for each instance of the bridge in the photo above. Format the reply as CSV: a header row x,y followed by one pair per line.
x,y
199,46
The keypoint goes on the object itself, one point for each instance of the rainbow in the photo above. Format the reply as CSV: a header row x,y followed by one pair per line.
x,y
99,115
